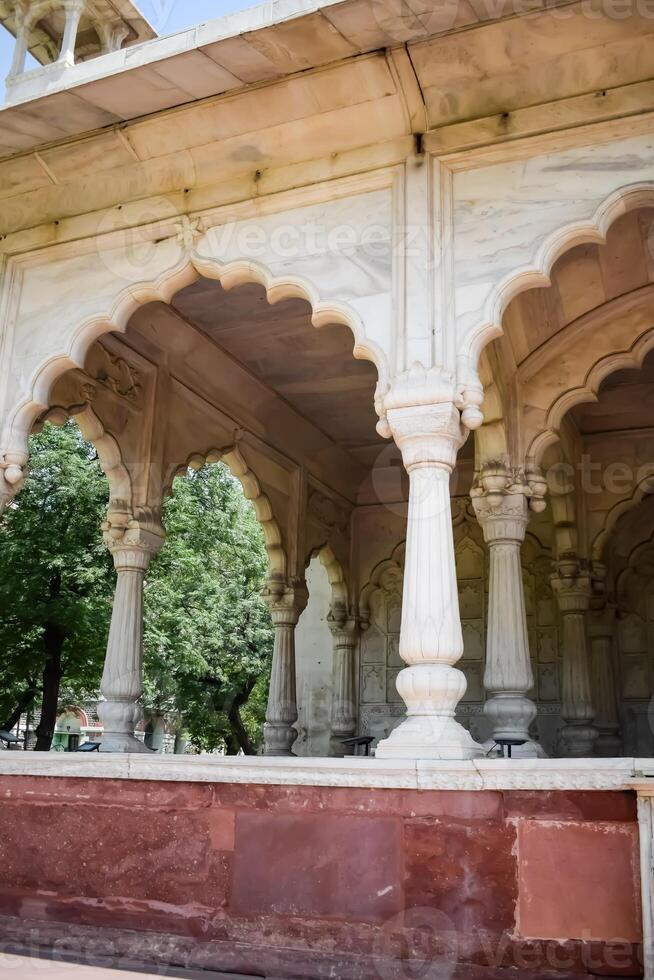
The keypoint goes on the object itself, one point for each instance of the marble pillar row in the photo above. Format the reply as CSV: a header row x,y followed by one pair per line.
x,y
285,603
572,586
601,631
132,545
345,635
503,513
429,435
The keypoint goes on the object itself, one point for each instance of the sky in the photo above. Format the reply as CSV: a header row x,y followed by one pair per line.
x,y
167,16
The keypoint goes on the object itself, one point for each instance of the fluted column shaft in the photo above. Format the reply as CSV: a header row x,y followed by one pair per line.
x,y
573,590
601,631
285,605
508,674
344,716
122,679
431,642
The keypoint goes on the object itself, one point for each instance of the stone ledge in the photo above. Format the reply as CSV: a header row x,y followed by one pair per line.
x,y
477,775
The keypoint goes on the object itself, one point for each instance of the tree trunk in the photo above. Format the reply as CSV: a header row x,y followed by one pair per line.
x,y
24,702
53,640
240,736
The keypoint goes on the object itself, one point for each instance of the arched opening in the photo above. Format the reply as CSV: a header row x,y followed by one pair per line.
x,y
245,377
56,587
208,633
577,385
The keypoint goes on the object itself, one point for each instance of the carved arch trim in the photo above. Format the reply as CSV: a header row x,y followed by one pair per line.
x,y
252,491
162,289
606,365
109,453
537,274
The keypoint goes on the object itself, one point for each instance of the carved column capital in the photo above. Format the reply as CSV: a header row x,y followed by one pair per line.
x,y
500,489
420,412
345,629
285,601
132,541
572,584
504,515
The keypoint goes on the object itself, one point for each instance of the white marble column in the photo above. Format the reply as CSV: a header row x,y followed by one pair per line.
x,y
429,433
572,586
132,546
21,46
73,10
285,603
601,630
345,634
502,510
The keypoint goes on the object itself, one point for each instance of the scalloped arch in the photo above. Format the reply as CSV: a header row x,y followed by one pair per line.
x,y
162,289
588,392
252,491
537,275
643,488
109,454
336,578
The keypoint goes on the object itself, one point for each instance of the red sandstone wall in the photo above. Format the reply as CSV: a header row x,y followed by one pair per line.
x,y
315,882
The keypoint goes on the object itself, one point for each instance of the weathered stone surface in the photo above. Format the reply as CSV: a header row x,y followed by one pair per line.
x,y
312,882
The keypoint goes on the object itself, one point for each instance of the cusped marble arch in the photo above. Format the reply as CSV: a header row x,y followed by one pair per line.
x,y
252,491
588,392
538,273
107,448
162,289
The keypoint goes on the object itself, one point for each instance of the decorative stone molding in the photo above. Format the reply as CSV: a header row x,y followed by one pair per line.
x,y
238,466
285,603
478,775
426,424
133,542
118,375
536,273
12,477
501,503
573,588
345,634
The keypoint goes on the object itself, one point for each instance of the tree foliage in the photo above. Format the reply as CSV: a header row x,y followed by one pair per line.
x,y
56,577
208,636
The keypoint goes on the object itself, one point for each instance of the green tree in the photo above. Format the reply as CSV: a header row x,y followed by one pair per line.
x,y
56,580
208,634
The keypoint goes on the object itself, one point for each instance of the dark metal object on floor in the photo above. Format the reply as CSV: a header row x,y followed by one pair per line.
x,y
506,744
359,742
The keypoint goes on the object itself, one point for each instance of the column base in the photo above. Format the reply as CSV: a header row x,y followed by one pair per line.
x,y
429,737
278,739
608,745
122,742
579,741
